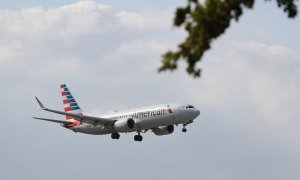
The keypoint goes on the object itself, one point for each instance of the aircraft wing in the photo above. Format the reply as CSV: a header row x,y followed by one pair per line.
x,y
53,120
79,117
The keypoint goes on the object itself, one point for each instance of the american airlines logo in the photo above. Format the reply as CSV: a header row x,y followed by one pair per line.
x,y
158,112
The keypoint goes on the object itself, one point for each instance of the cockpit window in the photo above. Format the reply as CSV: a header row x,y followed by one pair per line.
x,y
189,107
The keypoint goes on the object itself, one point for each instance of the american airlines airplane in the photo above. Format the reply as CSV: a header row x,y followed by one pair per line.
x,y
160,119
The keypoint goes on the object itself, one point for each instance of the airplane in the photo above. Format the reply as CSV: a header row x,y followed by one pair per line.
x,y
160,119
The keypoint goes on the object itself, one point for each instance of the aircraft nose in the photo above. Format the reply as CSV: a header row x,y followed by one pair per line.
x,y
197,112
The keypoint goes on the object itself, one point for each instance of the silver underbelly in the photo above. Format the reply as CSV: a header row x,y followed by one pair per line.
x,y
89,129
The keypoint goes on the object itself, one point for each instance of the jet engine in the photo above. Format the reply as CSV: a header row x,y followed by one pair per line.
x,y
163,130
124,125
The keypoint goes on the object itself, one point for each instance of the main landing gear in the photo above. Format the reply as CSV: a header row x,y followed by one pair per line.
x,y
138,137
115,135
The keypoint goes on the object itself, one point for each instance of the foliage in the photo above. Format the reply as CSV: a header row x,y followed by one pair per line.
x,y
207,21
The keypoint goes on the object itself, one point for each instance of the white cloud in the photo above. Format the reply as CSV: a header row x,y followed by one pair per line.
x,y
65,22
145,21
49,32
140,47
84,7
83,40
274,99
268,51
257,76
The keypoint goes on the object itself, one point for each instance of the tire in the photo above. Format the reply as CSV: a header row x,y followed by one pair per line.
x,y
117,136
140,138
136,137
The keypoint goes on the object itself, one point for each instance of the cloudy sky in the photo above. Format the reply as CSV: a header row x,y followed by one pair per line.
x,y
108,53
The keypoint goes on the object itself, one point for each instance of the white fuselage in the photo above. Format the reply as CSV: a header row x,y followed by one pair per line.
x,y
145,118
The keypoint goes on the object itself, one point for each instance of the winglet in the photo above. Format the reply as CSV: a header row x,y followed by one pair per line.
x,y
41,105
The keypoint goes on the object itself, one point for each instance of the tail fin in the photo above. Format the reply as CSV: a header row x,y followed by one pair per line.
x,y
70,105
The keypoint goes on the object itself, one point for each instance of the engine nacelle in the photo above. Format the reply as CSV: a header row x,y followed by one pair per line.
x,y
163,130
124,125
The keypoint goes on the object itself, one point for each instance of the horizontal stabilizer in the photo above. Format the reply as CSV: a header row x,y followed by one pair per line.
x,y
78,117
53,120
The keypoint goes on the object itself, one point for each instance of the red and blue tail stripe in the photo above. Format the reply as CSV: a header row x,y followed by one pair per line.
x,y
70,104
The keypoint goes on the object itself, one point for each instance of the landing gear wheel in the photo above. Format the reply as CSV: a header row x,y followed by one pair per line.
x,y
115,135
138,138
184,129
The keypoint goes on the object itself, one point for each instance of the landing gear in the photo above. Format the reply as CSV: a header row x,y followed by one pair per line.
x,y
138,137
115,135
185,124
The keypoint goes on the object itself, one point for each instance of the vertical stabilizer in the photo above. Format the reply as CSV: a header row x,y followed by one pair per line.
x,y
70,105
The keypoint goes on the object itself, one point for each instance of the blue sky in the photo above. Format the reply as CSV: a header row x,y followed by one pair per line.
x,y
108,53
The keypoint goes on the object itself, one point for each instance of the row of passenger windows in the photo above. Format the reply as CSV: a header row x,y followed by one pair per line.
x,y
118,117
127,115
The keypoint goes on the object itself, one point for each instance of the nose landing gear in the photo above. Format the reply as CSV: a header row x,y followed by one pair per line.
x,y
185,124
